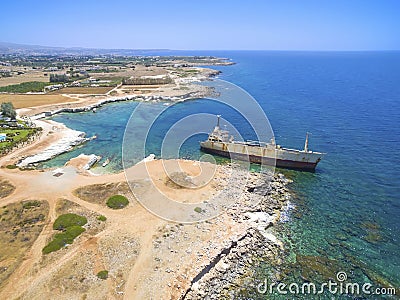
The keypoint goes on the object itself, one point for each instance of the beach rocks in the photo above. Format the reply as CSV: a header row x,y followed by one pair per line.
x,y
232,270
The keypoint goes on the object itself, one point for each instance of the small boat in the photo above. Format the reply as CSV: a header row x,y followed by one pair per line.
x,y
106,162
93,159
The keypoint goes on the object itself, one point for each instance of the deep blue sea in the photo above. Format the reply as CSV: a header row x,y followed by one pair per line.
x,y
345,216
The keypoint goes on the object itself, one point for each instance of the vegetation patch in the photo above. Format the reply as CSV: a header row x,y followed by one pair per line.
x,y
62,239
31,204
102,218
25,87
6,188
16,137
68,220
97,193
11,167
103,274
70,225
117,202
19,228
93,225
8,110
198,209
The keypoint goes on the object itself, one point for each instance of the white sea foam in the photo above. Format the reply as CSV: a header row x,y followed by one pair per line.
x,y
286,212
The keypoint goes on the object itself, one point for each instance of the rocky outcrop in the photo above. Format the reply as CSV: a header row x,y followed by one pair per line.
x,y
231,269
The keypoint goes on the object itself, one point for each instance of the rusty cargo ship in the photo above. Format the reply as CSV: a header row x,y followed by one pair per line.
x,y
220,143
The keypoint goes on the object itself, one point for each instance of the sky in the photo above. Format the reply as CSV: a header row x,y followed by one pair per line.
x,y
204,24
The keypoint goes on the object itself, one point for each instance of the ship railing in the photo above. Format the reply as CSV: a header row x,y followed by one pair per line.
x,y
253,143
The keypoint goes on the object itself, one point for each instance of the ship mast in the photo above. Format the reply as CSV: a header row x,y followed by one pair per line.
x,y
306,143
218,117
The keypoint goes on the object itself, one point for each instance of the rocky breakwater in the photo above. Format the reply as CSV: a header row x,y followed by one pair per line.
x,y
232,270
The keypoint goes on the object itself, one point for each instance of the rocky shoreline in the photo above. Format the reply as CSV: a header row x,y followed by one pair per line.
x,y
100,103
232,271
69,140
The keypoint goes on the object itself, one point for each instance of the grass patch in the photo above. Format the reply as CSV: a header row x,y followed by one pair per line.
x,y
103,274
25,87
16,136
68,220
102,218
117,202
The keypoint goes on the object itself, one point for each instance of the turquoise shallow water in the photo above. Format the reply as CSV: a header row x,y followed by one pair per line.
x,y
345,216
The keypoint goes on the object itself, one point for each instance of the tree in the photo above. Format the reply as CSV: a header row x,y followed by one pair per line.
x,y
7,109
59,78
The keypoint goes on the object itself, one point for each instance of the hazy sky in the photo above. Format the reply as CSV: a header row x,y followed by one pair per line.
x,y
205,24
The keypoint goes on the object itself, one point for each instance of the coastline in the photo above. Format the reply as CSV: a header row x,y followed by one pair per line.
x,y
71,138
222,256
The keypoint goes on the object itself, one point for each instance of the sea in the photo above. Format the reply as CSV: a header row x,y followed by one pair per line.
x,y
343,220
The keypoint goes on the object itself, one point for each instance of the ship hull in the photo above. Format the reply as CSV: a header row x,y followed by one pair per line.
x,y
277,160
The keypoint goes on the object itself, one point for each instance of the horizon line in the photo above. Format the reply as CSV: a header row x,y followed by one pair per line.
x,y
170,49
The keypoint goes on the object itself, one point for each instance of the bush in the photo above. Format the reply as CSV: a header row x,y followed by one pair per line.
x,y
102,218
198,209
63,238
117,202
11,167
68,220
103,274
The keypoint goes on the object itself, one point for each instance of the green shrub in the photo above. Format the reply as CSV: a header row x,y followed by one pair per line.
x,y
70,225
68,220
11,167
63,238
103,274
102,218
117,202
198,209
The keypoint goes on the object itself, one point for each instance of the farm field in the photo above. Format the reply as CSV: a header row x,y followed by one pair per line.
x,y
82,90
23,100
